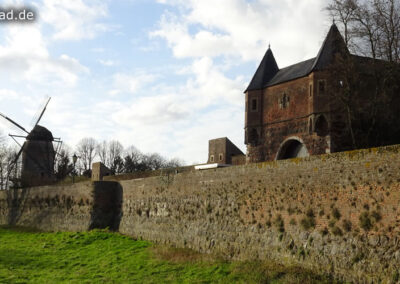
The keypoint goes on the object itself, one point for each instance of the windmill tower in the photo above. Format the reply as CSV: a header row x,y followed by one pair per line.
x,y
38,153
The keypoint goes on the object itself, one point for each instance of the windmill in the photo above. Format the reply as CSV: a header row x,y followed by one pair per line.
x,y
38,153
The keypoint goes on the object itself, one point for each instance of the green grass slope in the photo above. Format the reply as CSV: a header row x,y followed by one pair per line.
x,y
104,257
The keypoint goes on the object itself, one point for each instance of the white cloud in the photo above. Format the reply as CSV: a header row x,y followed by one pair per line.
x,y
74,19
8,94
131,83
24,56
107,63
178,120
240,28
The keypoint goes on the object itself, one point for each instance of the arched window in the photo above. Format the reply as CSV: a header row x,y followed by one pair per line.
x,y
321,126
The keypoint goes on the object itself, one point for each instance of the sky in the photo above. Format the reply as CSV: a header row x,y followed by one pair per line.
x,y
165,76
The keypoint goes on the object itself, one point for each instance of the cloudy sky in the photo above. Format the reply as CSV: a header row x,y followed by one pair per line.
x,y
164,75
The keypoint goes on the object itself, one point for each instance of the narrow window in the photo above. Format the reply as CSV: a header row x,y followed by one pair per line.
x,y
253,104
212,158
310,90
220,157
321,87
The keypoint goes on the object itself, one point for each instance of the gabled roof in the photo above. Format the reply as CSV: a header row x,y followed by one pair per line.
x,y
292,72
265,72
268,73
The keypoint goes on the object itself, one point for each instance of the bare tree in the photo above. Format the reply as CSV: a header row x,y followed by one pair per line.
x,y
370,27
175,163
367,93
3,166
343,11
86,152
101,151
63,166
114,157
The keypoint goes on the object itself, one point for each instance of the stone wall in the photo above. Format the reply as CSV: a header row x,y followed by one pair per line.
x,y
305,211
76,207
337,213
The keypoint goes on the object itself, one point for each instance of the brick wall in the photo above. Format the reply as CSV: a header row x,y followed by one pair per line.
x,y
337,213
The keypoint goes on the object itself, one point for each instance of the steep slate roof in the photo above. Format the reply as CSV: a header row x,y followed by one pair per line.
x,y
292,72
268,73
265,72
333,44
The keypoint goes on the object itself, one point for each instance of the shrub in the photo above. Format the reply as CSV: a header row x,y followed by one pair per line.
x,y
336,213
337,231
321,213
292,221
279,224
346,225
332,223
310,213
376,215
365,221
307,223
324,231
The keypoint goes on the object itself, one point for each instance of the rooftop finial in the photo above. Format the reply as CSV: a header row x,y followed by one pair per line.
x,y
269,45
333,21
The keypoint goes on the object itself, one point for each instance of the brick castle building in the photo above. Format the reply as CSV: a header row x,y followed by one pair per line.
x,y
289,111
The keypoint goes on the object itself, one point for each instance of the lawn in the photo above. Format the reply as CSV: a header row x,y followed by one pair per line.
x,y
101,256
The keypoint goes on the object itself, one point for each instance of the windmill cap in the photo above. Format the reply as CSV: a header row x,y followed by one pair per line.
x,y
40,133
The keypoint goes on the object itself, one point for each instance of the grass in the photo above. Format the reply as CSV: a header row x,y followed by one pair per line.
x,y
100,256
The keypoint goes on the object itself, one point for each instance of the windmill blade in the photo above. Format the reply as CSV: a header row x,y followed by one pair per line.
x,y
15,140
13,123
38,116
13,163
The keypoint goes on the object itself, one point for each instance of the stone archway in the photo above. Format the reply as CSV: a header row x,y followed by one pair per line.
x,y
292,148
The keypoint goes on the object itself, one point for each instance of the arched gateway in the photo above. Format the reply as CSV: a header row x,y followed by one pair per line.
x,y
292,148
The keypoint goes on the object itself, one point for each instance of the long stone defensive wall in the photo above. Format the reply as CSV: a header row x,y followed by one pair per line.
x,y
338,213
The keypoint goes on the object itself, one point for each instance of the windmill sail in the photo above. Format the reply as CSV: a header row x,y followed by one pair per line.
x,y
12,122
39,113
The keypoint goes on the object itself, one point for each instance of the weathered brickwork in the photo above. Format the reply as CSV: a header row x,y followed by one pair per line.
x,y
276,124
338,213
308,108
